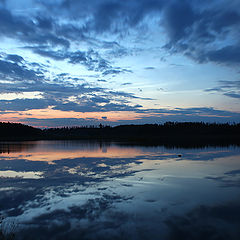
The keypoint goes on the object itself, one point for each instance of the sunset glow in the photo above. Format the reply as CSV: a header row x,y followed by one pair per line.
x,y
68,63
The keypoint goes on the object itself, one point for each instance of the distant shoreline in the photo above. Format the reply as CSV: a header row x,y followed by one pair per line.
x,y
169,133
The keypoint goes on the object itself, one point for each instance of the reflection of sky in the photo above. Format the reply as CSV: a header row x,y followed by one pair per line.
x,y
14,174
57,150
150,193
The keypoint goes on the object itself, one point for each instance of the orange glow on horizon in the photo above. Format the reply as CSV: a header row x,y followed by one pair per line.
x,y
48,113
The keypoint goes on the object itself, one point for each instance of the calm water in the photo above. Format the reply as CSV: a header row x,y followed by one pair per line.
x,y
82,190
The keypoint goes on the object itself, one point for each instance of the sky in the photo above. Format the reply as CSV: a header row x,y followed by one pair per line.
x,y
77,62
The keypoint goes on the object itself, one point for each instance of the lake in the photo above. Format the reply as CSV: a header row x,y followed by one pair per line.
x,y
98,190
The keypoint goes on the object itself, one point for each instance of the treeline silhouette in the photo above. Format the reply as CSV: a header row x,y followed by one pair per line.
x,y
169,132
18,131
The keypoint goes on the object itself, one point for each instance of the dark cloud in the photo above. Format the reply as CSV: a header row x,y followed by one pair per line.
x,y
225,55
232,95
26,30
176,65
60,122
75,31
178,18
56,55
110,15
193,28
154,116
184,115
89,102
24,104
122,94
91,59
116,71
230,84
192,111
56,92
126,84
86,98
45,23
227,88
119,51
11,25
149,68
215,89
16,70
14,58
111,72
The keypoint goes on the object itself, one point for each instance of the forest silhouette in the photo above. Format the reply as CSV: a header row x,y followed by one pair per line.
x,y
176,133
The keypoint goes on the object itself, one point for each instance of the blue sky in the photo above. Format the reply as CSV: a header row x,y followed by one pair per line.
x,y
73,62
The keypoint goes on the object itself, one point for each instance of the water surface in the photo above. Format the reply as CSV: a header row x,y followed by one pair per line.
x,y
91,190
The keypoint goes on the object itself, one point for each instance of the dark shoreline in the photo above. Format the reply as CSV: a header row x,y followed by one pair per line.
x,y
170,134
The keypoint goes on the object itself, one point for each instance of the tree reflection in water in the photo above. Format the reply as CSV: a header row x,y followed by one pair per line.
x,y
110,191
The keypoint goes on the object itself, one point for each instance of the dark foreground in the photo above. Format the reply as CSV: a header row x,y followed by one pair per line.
x,y
96,190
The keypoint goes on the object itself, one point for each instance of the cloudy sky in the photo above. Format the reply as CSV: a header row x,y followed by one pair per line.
x,y
77,62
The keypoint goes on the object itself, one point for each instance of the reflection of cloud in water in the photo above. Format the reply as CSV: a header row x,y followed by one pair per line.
x,y
79,208
14,174
50,151
228,179
140,193
233,172
206,222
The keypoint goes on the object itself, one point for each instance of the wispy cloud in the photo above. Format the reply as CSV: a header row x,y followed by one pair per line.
x,y
227,88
